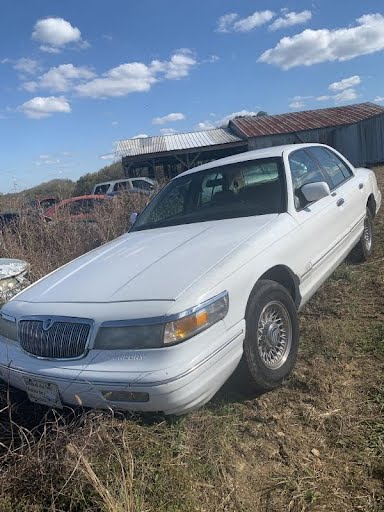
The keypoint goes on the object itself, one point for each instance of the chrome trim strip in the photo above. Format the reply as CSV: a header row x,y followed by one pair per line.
x,y
164,319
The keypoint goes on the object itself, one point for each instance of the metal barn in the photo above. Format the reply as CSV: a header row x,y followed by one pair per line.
x,y
168,155
357,131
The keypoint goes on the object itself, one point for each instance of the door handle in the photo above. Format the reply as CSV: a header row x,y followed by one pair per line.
x,y
361,185
340,202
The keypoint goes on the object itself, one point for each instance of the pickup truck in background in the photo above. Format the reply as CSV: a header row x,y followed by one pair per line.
x,y
212,274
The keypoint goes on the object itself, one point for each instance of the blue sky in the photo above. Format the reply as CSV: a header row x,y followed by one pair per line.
x,y
75,76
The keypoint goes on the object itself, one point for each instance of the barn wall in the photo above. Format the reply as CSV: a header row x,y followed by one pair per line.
x,y
362,143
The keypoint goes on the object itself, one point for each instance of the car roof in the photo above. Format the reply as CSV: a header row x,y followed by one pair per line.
x,y
78,198
120,181
274,151
112,181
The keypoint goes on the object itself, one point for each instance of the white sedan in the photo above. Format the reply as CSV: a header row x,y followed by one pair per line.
x,y
212,272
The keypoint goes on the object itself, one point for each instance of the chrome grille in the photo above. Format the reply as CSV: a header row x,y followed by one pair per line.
x,y
56,339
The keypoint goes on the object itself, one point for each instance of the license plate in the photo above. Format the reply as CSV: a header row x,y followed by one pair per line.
x,y
43,392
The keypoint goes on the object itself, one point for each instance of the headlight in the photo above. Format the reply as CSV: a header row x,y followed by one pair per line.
x,y
129,337
189,325
8,284
157,335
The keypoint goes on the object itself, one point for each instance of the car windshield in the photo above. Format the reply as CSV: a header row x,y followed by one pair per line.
x,y
243,189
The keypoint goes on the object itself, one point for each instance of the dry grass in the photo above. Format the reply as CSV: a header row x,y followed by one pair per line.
x,y
315,444
48,245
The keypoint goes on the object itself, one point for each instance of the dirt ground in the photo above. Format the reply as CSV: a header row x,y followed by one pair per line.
x,y
315,444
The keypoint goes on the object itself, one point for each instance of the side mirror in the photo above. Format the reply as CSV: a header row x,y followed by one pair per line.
x,y
133,218
315,191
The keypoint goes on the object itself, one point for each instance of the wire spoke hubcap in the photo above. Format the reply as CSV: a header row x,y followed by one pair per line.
x,y
274,335
367,234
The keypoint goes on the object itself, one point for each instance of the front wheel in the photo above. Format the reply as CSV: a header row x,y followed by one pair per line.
x,y
272,336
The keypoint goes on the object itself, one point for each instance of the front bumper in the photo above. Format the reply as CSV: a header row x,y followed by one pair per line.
x,y
176,379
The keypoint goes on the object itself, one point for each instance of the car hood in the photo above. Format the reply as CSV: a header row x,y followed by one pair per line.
x,y
157,264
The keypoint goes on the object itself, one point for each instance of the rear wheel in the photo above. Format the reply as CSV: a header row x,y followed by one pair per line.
x,y
364,248
272,336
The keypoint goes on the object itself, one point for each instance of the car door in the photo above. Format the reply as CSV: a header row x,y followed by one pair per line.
x,y
319,229
345,188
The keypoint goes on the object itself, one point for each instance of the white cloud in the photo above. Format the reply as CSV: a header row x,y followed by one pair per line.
x,y
119,81
174,116
27,66
108,156
168,131
49,49
177,67
140,136
30,86
228,117
289,19
346,83
379,99
296,104
115,123
205,125
137,76
55,33
208,125
61,78
256,19
48,161
224,23
231,23
40,107
345,96
315,46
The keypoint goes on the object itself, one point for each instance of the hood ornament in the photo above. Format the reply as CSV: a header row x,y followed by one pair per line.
x,y
47,324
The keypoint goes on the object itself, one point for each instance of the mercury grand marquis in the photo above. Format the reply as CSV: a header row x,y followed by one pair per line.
x,y
211,274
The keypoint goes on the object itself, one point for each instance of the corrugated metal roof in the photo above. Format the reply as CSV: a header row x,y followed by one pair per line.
x,y
178,141
254,126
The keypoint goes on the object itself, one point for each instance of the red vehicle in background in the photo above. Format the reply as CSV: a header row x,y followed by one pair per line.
x,y
81,208
42,203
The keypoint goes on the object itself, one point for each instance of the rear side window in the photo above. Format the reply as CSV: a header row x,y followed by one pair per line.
x,y
335,169
142,184
121,186
304,170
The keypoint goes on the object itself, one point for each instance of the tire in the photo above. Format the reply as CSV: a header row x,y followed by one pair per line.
x,y
263,367
364,248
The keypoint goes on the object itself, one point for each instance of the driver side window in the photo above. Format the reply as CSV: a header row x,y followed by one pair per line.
x,y
304,170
